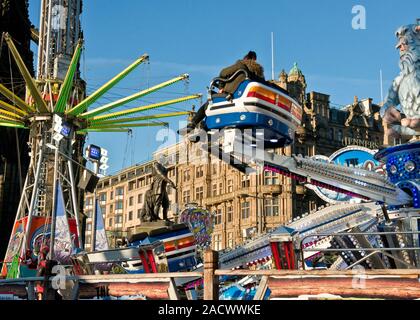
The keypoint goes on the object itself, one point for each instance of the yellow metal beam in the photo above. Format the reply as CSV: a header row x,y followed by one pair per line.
x,y
11,108
6,118
10,114
15,99
143,118
30,82
144,108
85,131
12,124
84,104
128,125
135,96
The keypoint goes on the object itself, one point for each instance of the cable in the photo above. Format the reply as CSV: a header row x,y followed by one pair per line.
x,y
19,163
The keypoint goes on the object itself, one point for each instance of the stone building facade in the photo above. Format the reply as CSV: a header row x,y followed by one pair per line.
x,y
245,205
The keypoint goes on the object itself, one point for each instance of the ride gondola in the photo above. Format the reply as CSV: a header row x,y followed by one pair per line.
x,y
257,107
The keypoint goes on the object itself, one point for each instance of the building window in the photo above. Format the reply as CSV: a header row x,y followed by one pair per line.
x,y
102,196
119,191
340,135
118,219
88,240
214,168
140,198
119,205
246,182
130,201
111,195
131,185
138,213
245,210
271,178
89,227
397,141
199,193
186,196
271,207
229,213
331,134
89,213
220,188
110,222
130,216
217,242
214,190
230,186
103,210
88,201
230,240
218,217
186,175
199,172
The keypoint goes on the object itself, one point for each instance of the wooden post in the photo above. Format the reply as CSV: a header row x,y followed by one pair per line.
x,y
262,289
211,282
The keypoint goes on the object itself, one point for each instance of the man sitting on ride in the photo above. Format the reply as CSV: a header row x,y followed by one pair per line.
x,y
250,65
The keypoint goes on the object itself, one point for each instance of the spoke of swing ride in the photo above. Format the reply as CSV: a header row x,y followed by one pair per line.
x,y
14,98
85,131
122,113
132,97
67,85
12,124
30,82
84,104
128,125
9,114
10,108
133,119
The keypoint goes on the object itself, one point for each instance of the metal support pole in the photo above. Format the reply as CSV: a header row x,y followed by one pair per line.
x,y
256,201
74,203
96,170
34,195
54,203
386,215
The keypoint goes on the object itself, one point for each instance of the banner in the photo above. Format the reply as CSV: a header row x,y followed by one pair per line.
x,y
62,239
101,241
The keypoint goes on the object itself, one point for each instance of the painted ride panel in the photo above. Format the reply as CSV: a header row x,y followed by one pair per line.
x,y
180,250
39,234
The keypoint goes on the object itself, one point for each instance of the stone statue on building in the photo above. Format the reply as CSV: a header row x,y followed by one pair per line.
x,y
405,89
157,196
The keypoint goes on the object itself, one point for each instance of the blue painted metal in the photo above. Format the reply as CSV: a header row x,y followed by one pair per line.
x,y
243,120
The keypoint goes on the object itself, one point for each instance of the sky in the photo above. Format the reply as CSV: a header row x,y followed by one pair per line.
x,y
202,37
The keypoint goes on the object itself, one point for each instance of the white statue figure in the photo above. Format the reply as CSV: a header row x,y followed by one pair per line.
x,y
405,89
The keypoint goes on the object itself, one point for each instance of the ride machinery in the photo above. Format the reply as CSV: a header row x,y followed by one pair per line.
x,y
379,228
56,112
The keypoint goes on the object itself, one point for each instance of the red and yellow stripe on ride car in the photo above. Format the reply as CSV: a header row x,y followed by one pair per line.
x,y
271,97
297,112
179,244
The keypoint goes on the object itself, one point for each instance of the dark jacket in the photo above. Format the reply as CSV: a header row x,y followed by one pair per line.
x,y
254,69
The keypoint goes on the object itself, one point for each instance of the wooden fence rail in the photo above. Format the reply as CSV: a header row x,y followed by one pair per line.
x,y
383,284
